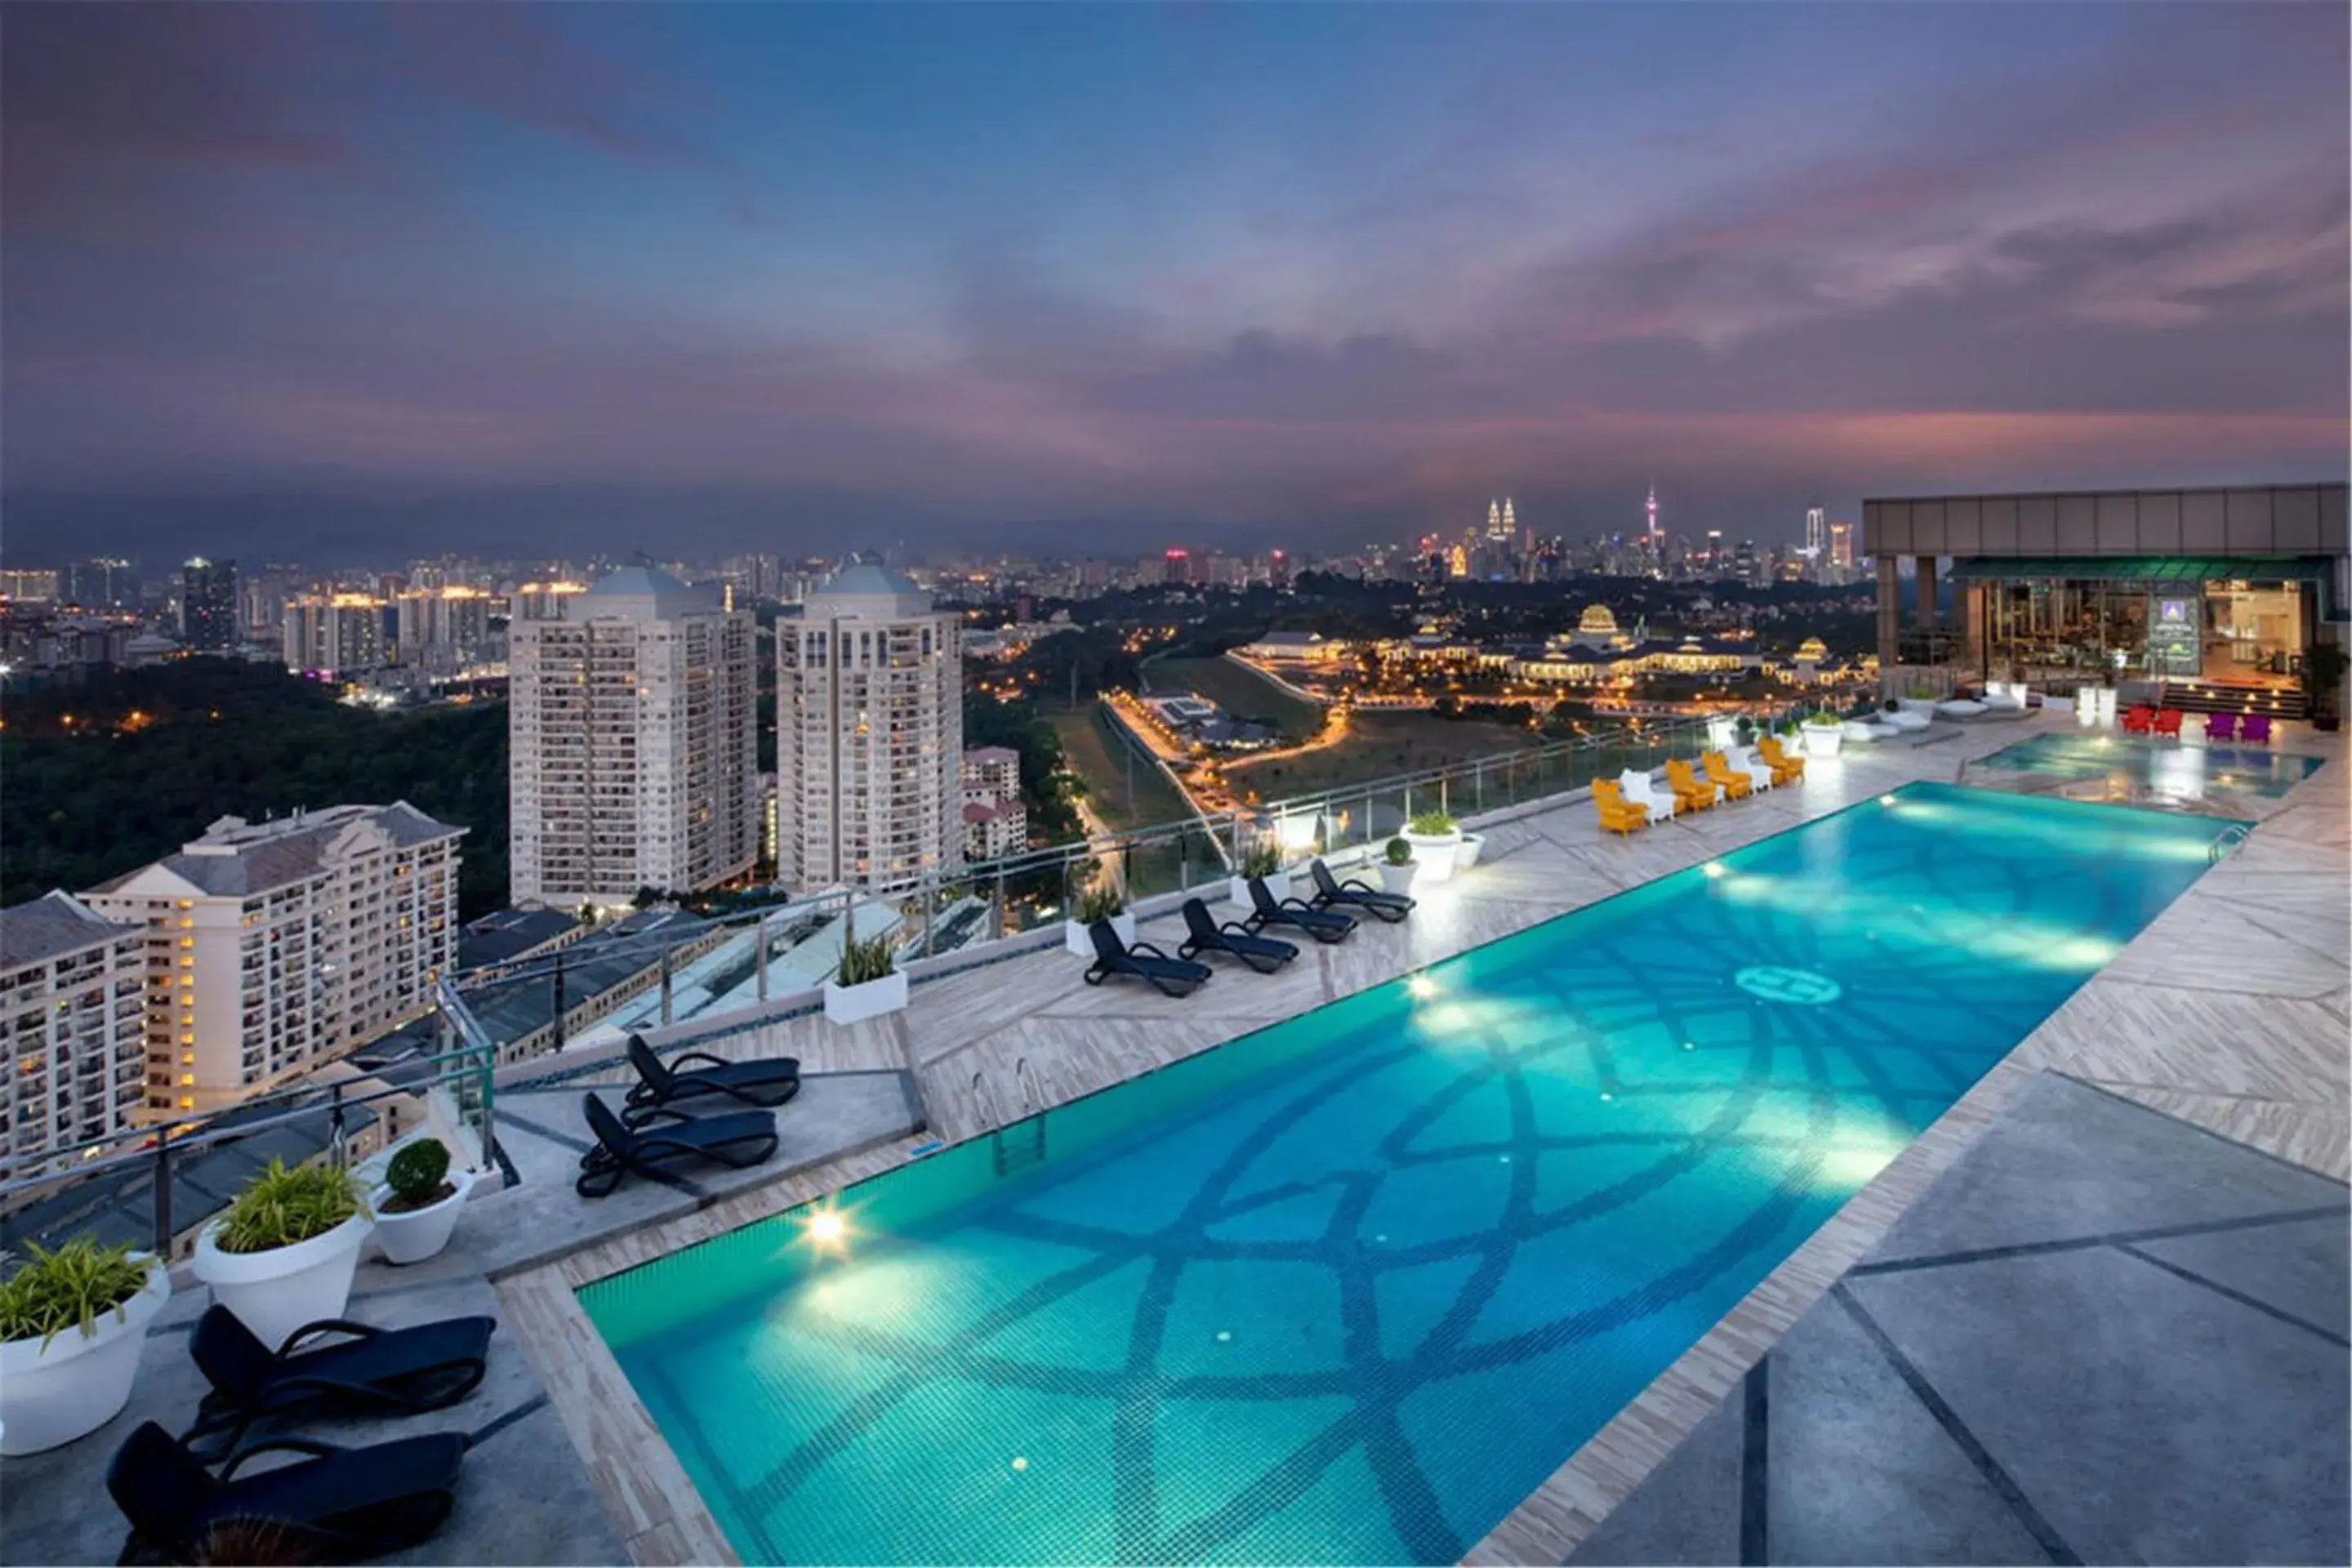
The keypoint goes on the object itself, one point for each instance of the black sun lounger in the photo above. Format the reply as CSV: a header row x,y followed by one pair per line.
x,y
740,1139
335,1505
1354,894
1323,925
1174,976
1263,953
765,1083
370,1371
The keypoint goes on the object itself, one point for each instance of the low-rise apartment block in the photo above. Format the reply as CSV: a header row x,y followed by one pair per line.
x,y
274,946
70,1009
995,823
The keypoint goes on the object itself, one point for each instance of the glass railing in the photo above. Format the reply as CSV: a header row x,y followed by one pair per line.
x,y
756,959
156,1185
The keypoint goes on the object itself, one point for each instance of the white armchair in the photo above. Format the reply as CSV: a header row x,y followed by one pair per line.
x,y
1743,759
1637,787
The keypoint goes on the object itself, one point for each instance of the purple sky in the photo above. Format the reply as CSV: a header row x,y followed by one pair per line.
x,y
356,280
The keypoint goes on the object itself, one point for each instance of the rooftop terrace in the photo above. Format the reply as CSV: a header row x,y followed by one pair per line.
x,y
2228,1014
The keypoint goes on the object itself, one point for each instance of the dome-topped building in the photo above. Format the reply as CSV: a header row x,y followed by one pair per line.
x,y
869,734
1597,628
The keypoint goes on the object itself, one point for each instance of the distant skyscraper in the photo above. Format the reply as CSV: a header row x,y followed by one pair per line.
x,y
633,744
443,629
1841,550
544,601
332,636
1277,568
28,585
103,583
1176,567
1817,534
1653,538
208,606
869,733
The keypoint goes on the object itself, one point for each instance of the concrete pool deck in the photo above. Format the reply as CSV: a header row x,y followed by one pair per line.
x,y
2228,1011
1983,1387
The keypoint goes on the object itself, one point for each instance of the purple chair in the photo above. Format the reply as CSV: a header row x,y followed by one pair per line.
x,y
2221,726
2256,727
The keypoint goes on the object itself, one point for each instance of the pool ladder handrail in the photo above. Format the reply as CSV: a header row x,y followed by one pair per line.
x,y
2227,842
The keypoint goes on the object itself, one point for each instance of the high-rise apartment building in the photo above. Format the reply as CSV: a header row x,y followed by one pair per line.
x,y
545,601
274,946
74,1024
444,628
1817,535
208,606
329,637
869,734
633,744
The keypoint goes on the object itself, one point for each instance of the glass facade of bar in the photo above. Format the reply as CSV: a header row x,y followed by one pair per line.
x,y
2059,623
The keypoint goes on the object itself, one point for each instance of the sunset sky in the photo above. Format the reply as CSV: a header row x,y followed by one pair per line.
x,y
361,279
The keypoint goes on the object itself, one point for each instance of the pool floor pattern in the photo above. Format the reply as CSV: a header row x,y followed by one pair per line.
x,y
1363,1280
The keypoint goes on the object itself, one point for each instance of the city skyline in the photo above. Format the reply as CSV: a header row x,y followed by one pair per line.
x,y
299,282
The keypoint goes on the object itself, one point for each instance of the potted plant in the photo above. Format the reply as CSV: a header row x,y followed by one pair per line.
x,y
867,982
1103,901
284,1253
1436,838
72,1323
417,1207
1262,859
2323,675
1824,734
1397,867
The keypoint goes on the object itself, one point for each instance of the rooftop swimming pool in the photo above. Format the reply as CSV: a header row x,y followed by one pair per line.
x,y
2180,770
1347,1289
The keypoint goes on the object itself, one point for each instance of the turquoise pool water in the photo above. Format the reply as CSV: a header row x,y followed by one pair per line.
x,y
1347,1289
2183,770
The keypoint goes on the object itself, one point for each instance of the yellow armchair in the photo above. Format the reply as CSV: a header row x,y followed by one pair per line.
x,y
1786,767
1618,815
1721,773
1691,792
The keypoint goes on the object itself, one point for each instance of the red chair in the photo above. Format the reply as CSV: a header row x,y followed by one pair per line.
x,y
2139,719
2168,723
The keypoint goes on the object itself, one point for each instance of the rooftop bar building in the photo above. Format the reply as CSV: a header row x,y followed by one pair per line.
x,y
2211,596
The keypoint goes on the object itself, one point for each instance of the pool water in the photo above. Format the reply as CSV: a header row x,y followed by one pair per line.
x,y
1347,1289
2183,771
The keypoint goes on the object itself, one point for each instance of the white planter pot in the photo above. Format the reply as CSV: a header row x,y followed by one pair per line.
x,y
1466,849
1397,879
273,1293
1822,740
77,1383
1434,851
856,1003
419,1234
1237,889
1081,945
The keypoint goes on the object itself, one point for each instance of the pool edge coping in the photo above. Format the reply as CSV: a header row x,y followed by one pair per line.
x,y
663,1519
